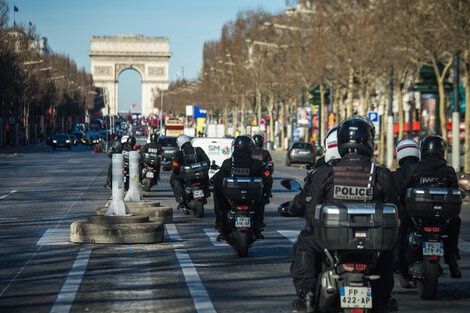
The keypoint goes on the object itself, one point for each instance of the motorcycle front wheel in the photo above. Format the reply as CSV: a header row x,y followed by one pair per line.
x,y
427,287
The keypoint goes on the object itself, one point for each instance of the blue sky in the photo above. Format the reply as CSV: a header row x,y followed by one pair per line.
x,y
70,24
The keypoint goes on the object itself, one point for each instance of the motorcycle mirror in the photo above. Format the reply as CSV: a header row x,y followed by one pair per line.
x,y
290,184
464,182
283,209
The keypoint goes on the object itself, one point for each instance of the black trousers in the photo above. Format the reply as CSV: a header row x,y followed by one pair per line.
x,y
308,262
177,185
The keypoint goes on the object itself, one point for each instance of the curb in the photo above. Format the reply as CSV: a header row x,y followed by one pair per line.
x,y
115,229
161,214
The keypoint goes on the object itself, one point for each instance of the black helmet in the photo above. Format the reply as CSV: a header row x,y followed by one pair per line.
x,y
131,141
258,140
153,138
242,144
356,134
434,145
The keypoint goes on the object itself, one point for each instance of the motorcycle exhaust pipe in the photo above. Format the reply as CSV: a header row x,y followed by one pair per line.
x,y
328,291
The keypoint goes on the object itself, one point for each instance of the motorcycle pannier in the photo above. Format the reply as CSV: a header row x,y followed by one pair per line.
x,y
427,202
351,226
243,188
195,171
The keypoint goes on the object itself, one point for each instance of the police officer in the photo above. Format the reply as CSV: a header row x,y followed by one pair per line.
x,y
116,148
432,171
407,152
154,148
186,154
240,164
356,171
264,156
331,157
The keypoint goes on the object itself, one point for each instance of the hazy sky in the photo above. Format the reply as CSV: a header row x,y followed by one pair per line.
x,y
70,24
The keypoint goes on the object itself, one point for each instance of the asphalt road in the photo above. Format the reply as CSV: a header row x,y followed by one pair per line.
x,y
42,192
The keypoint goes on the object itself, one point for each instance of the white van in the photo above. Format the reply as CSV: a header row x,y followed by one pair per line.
x,y
217,149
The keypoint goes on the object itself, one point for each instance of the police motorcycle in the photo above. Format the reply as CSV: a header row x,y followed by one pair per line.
x,y
430,210
243,194
194,175
151,162
352,237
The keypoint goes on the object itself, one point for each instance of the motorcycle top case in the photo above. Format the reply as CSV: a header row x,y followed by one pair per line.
x,y
243,188
428,202
356,226
151,158
195,171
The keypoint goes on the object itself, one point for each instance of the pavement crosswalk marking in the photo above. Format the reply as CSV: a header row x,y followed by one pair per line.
x,y
202,301
65,299
212,234
55,237
290,234
464,245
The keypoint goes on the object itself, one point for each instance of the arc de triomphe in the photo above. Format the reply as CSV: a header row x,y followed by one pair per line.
x,y
110,55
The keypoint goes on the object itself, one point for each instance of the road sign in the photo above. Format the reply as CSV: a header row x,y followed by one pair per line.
x,y
374,118
262,121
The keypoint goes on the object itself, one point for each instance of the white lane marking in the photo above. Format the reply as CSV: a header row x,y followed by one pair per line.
x,y
202,301
10,193
67,294
290,234
212,234
34,254
464,245
55,237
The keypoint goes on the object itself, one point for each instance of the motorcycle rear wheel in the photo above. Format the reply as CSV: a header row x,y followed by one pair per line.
x,y
241,244
199,209
427,287
147,184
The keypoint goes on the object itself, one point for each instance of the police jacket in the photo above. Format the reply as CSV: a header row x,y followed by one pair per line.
x,y
188,155
299,203
354,178
265,157
241,164
402,174
432,171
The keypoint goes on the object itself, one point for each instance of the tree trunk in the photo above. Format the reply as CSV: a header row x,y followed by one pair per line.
x,y
350,92
401,117
243,115
442,100
283,124
235,119
467,110
258,105
321,124
26,114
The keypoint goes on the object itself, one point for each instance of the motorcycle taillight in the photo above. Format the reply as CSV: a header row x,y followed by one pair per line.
x,y
242,207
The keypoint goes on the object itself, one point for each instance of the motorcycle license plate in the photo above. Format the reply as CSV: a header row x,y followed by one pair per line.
x,y
242,221
198,193
433,248
149,175
356,297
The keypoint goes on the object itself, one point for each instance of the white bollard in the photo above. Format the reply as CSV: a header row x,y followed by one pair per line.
x,y
117,205
133,194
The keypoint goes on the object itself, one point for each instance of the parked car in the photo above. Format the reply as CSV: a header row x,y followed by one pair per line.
x,y
300,152
168,145
61,141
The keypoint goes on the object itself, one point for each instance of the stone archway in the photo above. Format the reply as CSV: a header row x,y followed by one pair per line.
x,y
148,56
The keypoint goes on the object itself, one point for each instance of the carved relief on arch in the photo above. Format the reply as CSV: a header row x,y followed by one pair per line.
x,y
156,71
103,70
138,67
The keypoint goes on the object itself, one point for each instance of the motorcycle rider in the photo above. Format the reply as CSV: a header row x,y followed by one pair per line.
x,y
433,171
331,157
240,164
186,154
264,156
355,140
116,148
407,152
153,147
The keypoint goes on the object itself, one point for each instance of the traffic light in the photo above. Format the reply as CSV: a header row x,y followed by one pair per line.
x,y
268,120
